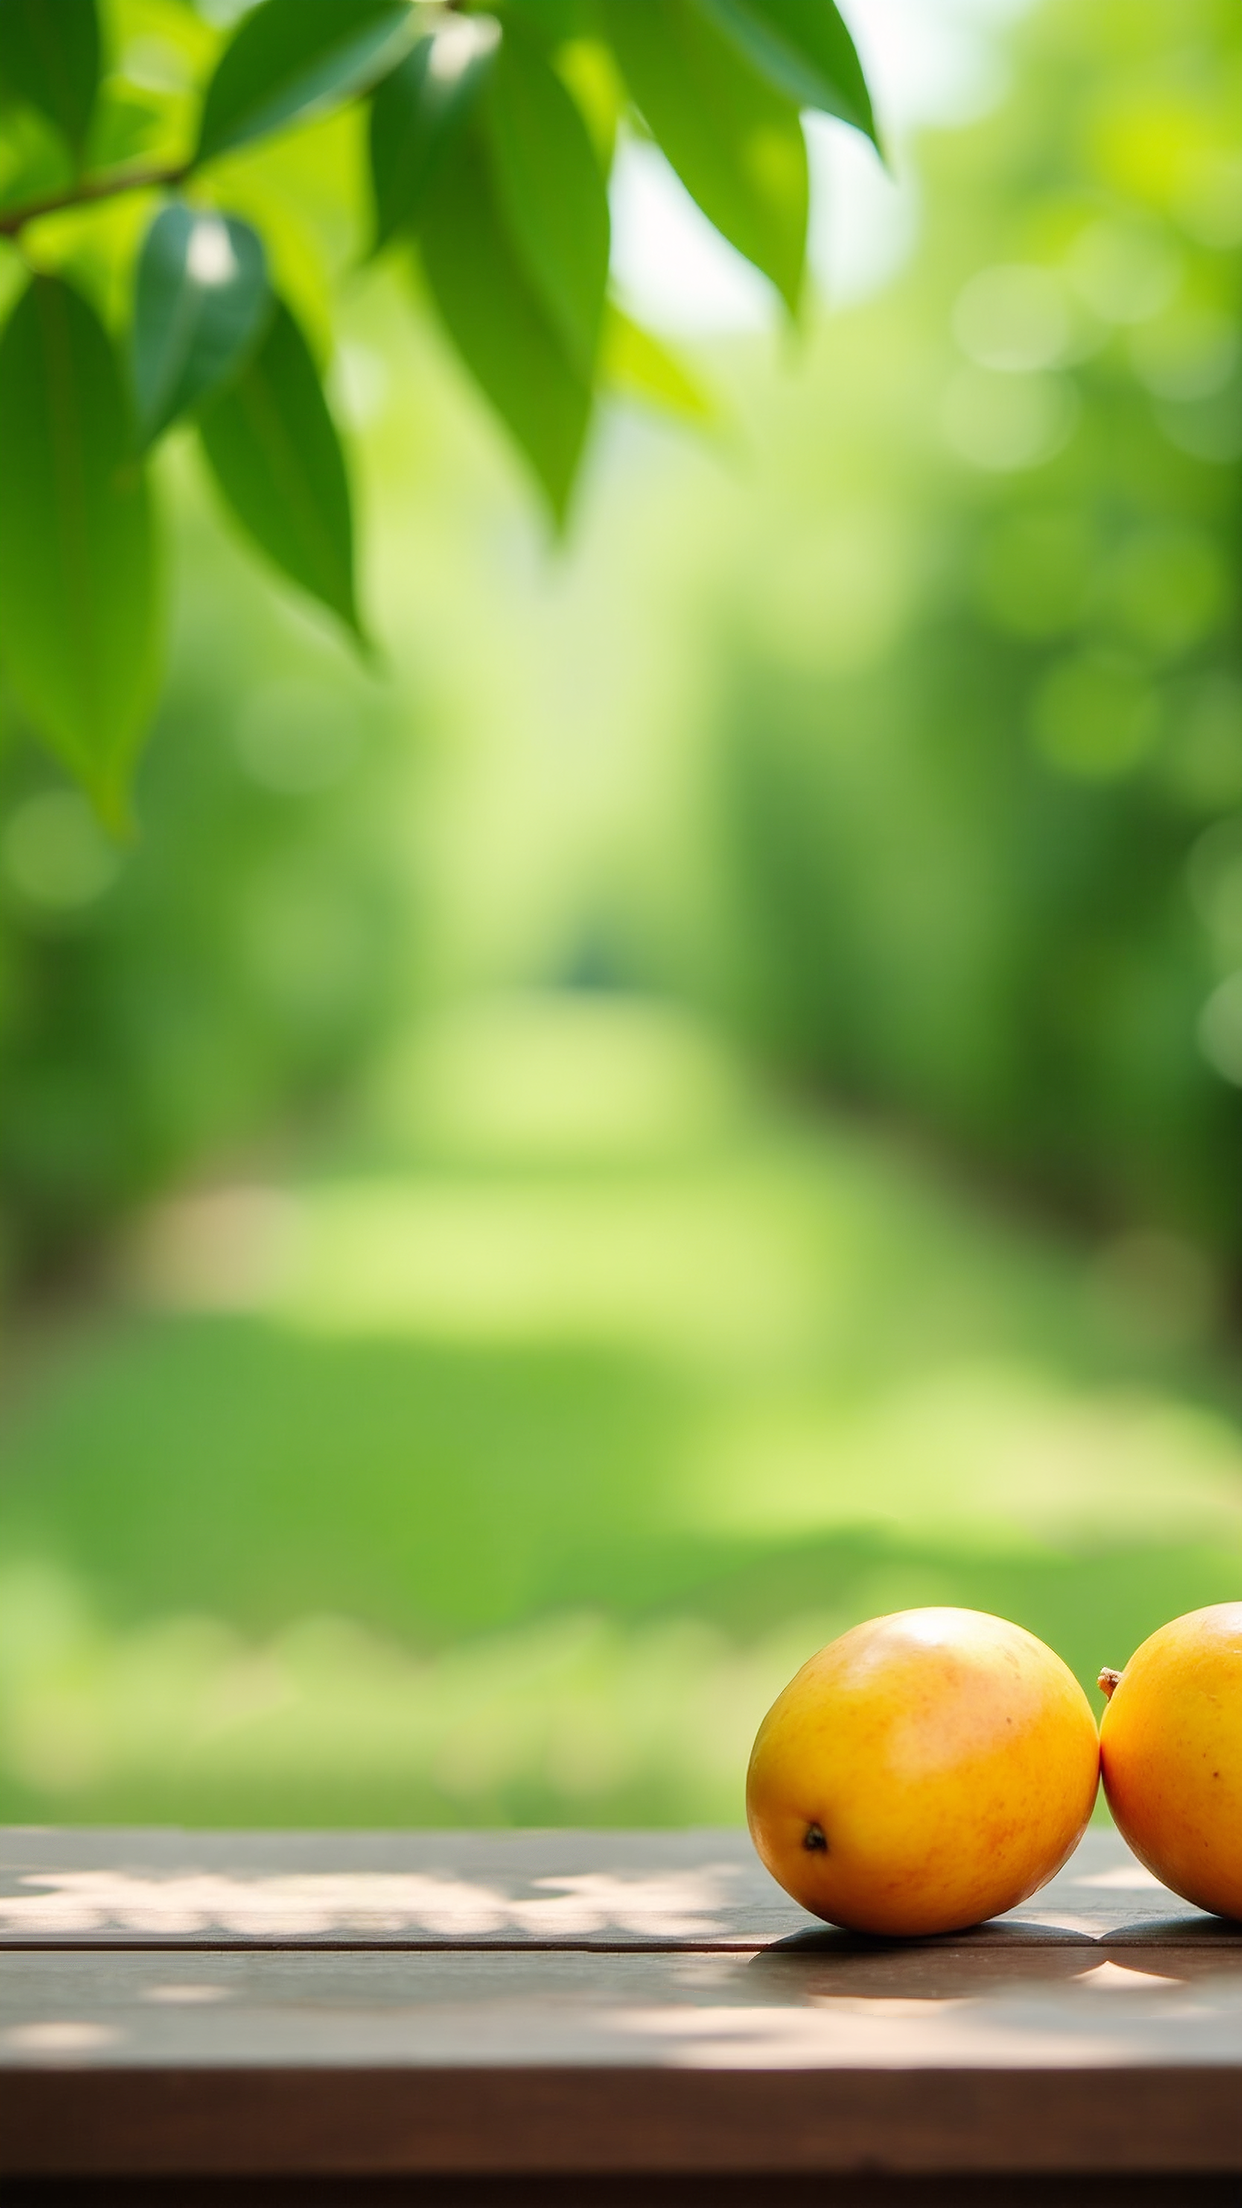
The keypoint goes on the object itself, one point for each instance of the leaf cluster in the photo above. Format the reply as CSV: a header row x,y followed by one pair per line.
x,y
490,135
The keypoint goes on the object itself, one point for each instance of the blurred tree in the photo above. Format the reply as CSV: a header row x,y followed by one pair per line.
x,y
983,759
490,141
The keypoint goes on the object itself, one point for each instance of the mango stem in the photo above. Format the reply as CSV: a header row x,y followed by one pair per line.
x,y
1107,1681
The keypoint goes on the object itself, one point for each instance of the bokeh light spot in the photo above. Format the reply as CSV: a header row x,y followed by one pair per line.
x,y
1187,355
1125,273
1012,318
1001,421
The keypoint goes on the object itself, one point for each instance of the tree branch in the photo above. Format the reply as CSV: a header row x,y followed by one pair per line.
x,y
86,192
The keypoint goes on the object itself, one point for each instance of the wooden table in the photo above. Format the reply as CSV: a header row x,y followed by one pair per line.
x,y
583,2017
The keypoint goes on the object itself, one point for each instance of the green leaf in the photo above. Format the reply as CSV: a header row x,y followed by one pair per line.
x,y
498,322
553,21
586,67
201,302
635,365
418,110
804,49
273,449
49,57
291,59
77,555
129,125
550,191
735,143
34,159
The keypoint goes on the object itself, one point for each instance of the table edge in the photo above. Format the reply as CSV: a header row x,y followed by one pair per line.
x,y
393,2119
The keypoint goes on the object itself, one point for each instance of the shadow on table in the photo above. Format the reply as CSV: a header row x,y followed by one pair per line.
x,y
991,1958
1211,1934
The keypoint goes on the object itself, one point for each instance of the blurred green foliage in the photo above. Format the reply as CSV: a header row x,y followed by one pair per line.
x,y
518,1360
983,759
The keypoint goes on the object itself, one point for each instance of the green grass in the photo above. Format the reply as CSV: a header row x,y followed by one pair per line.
x,y
503,1466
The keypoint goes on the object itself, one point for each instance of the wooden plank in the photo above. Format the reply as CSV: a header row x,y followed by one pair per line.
x,y
393,2122
932,2006
1039,2057
623,1890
